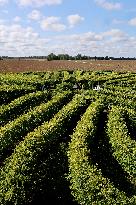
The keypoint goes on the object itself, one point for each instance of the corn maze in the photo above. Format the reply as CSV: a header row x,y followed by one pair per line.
x,y
68,138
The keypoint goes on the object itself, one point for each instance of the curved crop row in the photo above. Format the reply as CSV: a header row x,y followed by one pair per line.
x,y
17,183
132,118
32,79
114,99
10,111
126,90
119,98
34,136
124,148
10,92
14,131
87,182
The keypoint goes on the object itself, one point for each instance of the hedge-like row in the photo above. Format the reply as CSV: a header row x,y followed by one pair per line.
x,y
88,185
132,118
17,176
22,78
121,92
123,147
10,92
122,81
121,78
12,132
10,111
119,98
125,92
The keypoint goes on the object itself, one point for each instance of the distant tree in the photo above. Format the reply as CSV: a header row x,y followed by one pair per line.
x,y
67,57
51,57
63,57
106,58
79,57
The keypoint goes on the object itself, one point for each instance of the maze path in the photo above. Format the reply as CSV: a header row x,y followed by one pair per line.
x,y
75,139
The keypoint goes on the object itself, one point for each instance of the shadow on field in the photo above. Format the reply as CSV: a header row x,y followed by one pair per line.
x,y
101,154
131,129
51,169
54,189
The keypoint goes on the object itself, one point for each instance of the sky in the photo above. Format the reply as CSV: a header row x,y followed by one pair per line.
x,y
88,27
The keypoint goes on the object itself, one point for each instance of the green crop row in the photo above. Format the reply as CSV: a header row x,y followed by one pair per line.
x,y
10,92
127,90
122,81
88,185
131,113
123,147
10,111
13,132
17,182
119,99
22,78
101,76
48,79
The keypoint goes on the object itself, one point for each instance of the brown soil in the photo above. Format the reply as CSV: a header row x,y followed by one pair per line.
x,y
44,65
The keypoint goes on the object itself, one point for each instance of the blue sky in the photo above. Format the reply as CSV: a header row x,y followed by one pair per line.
x,y
89,27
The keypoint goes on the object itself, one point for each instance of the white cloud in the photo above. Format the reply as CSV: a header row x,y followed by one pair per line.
x,y
74,19
108,5
132,22
112,43
52,23
117,21
17,19
16,40
114,33
35,15
2,2
38,3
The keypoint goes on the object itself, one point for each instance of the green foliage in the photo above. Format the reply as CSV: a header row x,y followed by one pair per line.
x,y
17,129
87,182
10,92
131,122
18,106
124,148
49,153
17,183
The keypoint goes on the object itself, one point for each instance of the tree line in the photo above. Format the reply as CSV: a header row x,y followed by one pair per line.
x,y
53,56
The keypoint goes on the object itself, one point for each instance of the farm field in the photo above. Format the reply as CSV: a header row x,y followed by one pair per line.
x,y
44,65
67,137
